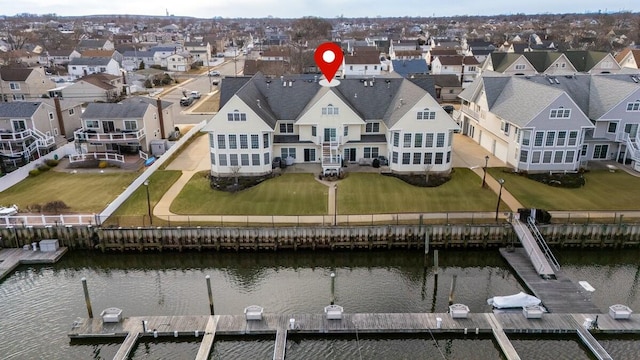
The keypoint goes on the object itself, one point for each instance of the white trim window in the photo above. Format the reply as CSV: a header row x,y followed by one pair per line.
x,y
426,114
633,106
330,110
236,115
91,124
14,86
130,125
560,113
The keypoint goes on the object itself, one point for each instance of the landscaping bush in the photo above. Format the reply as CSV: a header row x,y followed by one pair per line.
x,y
103,164
34,172
52,162
43,168
569,180
229,183
55,207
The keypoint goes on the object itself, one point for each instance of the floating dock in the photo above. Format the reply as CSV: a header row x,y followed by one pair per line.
x,y
207,327
11,258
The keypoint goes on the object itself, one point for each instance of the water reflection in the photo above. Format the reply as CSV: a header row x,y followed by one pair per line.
x,y
43,301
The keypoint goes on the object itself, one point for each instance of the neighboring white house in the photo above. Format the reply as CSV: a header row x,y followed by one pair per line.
x,y
365,64
179,62
79,67
555,123
296,118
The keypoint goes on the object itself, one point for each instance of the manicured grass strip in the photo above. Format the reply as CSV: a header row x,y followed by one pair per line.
x,y
289,194
368,193
604,190
81,192
159,182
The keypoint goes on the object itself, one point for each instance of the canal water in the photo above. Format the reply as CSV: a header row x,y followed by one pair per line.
x,y
38,304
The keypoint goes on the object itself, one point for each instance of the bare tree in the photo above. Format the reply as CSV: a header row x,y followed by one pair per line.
x,y
427,171
235,171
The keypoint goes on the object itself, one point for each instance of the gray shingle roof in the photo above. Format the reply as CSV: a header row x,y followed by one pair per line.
x,y
151,101
413,66
123,110
513,98
387,100
19,109
91,61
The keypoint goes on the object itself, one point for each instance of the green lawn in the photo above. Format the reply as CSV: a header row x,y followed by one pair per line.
x,y
604,190
81,192
159,182
368,193
289,194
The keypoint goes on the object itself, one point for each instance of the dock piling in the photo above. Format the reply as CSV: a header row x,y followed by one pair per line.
x,y
453,288
333,288
208,278
86,297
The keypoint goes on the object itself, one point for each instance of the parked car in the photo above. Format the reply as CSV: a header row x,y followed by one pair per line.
x,y
215,82
195,94
186,101
214,73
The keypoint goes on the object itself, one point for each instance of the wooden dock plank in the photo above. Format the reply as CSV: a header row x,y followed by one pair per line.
x,y
503,341
560,295
127,346
281,344
592,343
207,339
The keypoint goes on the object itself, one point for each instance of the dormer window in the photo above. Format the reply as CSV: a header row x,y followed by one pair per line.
x,y
330,110
426,114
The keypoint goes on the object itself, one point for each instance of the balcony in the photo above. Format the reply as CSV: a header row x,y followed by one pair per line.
x,y
88,135
7,135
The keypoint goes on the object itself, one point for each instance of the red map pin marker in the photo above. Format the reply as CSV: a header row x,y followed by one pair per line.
x,y
328,57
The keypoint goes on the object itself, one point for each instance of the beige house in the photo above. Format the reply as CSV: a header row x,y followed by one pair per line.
x,y
126,127
22,84
95,87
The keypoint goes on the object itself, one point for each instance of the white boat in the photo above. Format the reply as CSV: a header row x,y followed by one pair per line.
x,y
518,300
8,211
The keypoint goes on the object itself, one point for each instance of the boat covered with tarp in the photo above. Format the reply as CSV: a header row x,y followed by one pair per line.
x,y
518,300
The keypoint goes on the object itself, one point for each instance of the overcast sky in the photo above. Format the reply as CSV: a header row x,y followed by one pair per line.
x,y
320,8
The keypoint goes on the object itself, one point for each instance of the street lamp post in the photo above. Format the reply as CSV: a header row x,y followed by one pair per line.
x,y
146,185
501,182
335,205
484,175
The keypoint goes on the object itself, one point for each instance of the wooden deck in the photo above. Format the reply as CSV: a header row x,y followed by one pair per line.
x,y
559,295
11,258
500,325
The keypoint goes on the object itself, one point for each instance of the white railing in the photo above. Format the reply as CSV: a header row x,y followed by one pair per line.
x,y
16,136
84,135
633,145
143,155
96,156
543,244
39,220
44,140
15,177
330,151
522,231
